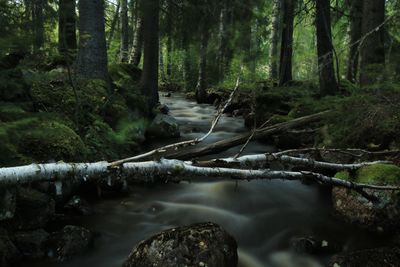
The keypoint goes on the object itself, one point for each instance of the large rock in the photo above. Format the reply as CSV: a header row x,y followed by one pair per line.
x,y
33,210
9,254
164,126
382,257
71,240
204,244
32,245
382,215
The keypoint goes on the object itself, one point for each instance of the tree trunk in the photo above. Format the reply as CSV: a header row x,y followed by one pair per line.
x,y
223,40
67,43
169,38
326,70
372,54
162,67
285,68
201,93
124,31
136,53
149,79
356,7
113,25
92,53
275,34
38,24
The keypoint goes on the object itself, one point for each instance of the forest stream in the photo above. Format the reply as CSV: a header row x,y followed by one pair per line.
x,y
263,216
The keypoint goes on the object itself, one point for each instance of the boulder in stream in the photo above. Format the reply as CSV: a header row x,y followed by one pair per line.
x,y
382,257
164,126
198,245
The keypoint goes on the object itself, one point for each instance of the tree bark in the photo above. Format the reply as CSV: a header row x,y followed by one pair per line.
x,y
149,79
222,40
67,43
38,24
154,171
372,54
356,7
137,46
169,38
285,68
326,70
113,25
124,48
201,93
92,53
275,35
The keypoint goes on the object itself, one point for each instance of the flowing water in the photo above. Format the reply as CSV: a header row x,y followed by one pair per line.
x,y
263,216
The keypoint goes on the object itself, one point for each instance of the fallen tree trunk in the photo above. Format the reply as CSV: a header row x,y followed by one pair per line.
x,y
153,171
223,145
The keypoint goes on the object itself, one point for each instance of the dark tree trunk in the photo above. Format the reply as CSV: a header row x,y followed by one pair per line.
x,y
223,40
92,53
356,7
149,80
169,38
372,54
113,25
124,31
201,93
326,70
67,43
275,34
285,68
136,53
38,24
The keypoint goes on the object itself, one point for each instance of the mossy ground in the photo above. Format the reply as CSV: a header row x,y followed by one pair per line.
x,y
55,121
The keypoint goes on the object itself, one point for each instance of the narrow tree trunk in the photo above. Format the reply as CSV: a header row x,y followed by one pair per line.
x,y
201,93
372,54
326,71
356,7
162,67
38,24
67,43
92,53
113,25
136,54
149,79
275,35
124,31
223,42
169,39
285,68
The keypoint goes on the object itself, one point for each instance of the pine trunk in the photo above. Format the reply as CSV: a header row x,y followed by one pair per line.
x,y
67,43
285,68
275,34
201,93
124,31
355,37
326,70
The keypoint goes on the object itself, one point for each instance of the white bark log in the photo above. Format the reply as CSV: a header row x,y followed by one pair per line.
x,y
150,171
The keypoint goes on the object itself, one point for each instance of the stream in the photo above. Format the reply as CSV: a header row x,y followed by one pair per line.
x,y
263,216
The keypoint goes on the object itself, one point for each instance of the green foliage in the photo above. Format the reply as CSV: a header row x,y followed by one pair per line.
x,y
344,175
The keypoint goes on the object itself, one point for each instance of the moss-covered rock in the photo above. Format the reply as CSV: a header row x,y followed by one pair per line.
x,y
383,215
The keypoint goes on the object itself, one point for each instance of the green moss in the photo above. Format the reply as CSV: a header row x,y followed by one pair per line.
x,y
379,174
11,112
344,175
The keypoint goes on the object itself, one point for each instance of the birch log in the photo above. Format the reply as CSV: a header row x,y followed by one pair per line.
x,y
153,171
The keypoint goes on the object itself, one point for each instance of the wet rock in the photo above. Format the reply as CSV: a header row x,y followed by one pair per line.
x,y
382,257
164,109
204,244
383,216
33,210
9,254
313,245
71,240
32,244
164,126
7,203
167,95
78,206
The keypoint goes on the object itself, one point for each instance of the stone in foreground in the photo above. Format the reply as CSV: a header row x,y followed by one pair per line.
x,y
198,245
